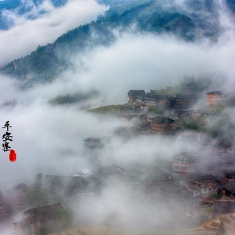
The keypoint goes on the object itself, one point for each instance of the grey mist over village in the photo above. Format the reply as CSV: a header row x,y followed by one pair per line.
x,y
121,115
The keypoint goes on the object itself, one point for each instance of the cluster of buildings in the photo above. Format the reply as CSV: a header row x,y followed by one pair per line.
x,y
187,183
180,106
140,98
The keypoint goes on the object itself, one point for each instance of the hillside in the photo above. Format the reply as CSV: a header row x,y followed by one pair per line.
x,y
47,62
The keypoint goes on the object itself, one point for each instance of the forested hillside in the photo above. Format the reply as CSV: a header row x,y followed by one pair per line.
x,y
154,16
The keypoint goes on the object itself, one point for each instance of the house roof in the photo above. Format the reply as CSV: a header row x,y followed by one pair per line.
x,y
160,119
230,187
150,97
22,187
115,169
2,197
185,96
65,181
229,170
185,156
45,212
214,93
173,188
92,140
83,173
224,206
155,178
17,190
136,92
201,176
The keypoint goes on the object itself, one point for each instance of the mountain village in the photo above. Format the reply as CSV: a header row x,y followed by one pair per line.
x,y
202,183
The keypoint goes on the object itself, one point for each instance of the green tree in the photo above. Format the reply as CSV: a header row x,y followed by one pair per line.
x,y
66,217
191,124
38,179
37,196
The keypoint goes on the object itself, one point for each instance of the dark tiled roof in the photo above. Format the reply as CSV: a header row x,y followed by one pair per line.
x,y
224,206
155,177
136,92
65,181
186,156
45,212
230,187
214,92
112,170
22,187
150,97
173,188
228,170
185,96
201,176
160,119
92,140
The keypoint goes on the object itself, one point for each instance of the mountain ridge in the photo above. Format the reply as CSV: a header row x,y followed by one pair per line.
x,y
47,62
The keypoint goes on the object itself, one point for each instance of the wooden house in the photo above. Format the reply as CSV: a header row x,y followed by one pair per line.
x,y
213,97
184,100
39,219
148,175
183,164
5,207
64,185
165,101
228,174
139,100
230,189
183,114
16,196
83,173
93,143
150,100
133,94
107,171
202,185
163,125
144,128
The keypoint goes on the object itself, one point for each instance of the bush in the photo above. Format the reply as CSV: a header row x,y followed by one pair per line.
x,y
66,217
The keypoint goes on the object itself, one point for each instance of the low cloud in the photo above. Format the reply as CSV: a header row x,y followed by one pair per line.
x,y
27,34
148,62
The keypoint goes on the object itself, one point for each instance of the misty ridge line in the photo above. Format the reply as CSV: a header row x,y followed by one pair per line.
x,y
89,33
50,138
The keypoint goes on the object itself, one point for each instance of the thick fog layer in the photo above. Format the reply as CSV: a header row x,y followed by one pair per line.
x,y
49,138
28,34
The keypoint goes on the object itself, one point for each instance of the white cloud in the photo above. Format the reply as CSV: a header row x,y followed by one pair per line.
x,y
151,62
27,34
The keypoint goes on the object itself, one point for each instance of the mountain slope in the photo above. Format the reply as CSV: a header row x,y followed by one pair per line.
x,y
200,19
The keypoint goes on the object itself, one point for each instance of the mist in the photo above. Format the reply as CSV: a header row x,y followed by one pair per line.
x,y
27,34
49,138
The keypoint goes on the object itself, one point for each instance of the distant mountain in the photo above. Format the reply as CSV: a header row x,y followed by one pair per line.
x,y
193,20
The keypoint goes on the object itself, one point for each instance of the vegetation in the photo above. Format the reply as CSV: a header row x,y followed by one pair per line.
x,y
153,109
38,195
49,61
66,217
108,109
42,231
192,124
73,98
38,180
